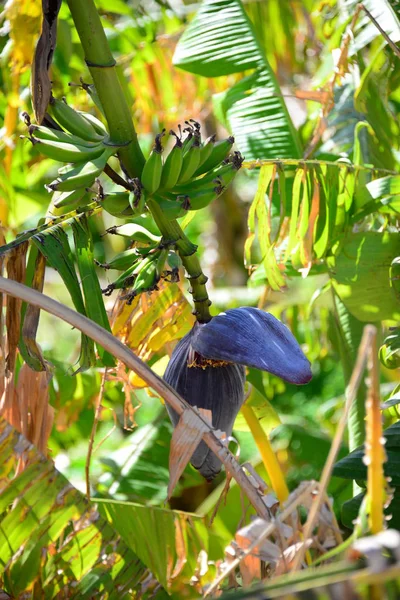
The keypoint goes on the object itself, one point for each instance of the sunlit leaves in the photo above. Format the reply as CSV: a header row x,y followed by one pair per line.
x,y
382,11
153,320
260,214
219,41
360,275
325,200
38,507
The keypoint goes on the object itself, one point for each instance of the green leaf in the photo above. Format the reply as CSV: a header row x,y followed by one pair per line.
x,y
55,247
350,510
51,537
353,467
139,469
161,538
264,411
384,187
366,31
53,225
219,41
360,275
94,302
254,110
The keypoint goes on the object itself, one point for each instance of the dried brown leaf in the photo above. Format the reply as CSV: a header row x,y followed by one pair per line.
x,y
32,315
179,547
284,563
2,338
9,407
40,82
185,439
16,267
32,394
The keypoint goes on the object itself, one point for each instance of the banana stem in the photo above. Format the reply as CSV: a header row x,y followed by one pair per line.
x,y
268,456
172,232
101,65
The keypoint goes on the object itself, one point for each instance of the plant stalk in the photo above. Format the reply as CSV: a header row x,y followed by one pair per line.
x,y
268,456
101,65
172,233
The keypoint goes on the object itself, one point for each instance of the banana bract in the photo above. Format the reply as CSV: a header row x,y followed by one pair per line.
x,y
207,367
218,387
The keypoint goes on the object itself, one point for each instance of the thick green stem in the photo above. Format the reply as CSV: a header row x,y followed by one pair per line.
x,y
172,232
101,65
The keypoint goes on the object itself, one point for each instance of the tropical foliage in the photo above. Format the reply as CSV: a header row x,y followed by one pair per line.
x,y
136,229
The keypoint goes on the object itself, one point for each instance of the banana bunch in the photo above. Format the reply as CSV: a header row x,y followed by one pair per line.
x,y
79,139
193,174
142,274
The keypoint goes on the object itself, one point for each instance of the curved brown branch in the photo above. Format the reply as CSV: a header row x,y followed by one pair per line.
x,y
124,354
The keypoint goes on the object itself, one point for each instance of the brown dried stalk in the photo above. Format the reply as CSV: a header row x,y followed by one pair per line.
x,y
93,433
363,352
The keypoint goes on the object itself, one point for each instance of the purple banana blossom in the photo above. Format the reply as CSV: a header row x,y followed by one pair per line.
x,y
207,368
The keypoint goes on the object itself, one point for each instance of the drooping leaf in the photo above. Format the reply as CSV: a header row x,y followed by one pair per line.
x,y
55,247
261,214
167,541
94,302
37,509
28,346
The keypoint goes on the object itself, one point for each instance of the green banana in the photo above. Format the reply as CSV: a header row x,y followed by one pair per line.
x,y
97,125
122,261
224,174
219,152
74,205
73,121
134,232
66,152
152,170
63,199
205,197
127,278
116,204
45,133
83,175
206,148
136,198
174,208
173,165
188,141
190,161
124,280
174,262
147,275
